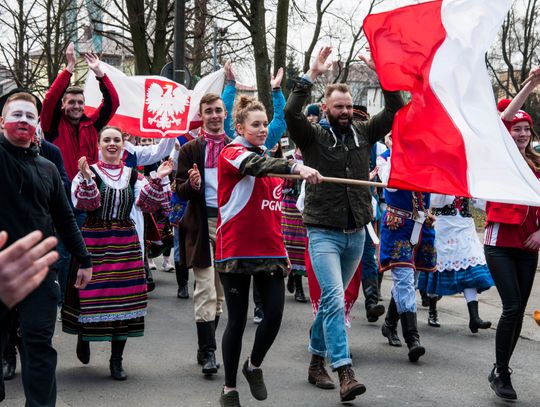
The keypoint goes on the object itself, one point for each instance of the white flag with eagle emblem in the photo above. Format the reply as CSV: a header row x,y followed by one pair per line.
x,y
152,106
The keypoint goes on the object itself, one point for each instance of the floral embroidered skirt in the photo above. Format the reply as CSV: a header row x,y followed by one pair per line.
x,y
396,249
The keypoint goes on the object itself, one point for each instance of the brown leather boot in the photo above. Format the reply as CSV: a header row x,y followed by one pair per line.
x,y
318,375
349,388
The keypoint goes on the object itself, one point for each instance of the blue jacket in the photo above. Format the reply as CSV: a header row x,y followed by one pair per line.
x,y
276,127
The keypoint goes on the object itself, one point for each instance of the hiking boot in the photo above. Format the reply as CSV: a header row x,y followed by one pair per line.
x,y
349,387
501,383
256,381
318,375
230,399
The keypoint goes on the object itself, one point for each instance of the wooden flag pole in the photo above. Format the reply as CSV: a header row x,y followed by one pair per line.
x,y
333,180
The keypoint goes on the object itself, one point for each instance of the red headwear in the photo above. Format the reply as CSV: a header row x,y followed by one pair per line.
x,y
520,116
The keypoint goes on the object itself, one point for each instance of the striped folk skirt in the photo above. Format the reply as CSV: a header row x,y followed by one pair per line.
x,y
113,304
294,235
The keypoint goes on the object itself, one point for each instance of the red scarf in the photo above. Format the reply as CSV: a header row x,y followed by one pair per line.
x,y
214,145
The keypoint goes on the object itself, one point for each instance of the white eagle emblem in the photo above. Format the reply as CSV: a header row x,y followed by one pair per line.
x,y
164,105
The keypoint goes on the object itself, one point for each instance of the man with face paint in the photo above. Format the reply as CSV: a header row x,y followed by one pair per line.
x,y
334,214
37,201
53,154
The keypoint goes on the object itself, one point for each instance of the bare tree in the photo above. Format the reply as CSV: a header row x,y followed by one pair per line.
x,y
39,35
321,6
251,14
516,52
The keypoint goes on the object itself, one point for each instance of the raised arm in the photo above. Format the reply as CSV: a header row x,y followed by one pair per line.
x,y
228,96
110,102
521,97
301,131
147,155
51,111
277,126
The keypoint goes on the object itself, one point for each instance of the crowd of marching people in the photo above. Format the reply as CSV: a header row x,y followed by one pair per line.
x,y
115,203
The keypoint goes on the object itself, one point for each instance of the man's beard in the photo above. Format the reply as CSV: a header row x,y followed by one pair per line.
x,y
334,122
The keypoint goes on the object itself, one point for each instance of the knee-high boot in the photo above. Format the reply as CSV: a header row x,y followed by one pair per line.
x,y
206,356
115,364
433,316
299,295
389,327
412,338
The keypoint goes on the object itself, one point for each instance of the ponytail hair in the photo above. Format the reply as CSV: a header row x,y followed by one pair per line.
x,y
243,106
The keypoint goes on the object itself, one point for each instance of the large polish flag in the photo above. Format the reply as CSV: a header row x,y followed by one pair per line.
x,y
449,139
152,106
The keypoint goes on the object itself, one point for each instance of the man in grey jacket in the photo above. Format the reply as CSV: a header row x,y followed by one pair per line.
x,y
335,214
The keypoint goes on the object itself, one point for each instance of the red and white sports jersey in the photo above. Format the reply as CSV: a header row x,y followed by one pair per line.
x,y
507,235
249,220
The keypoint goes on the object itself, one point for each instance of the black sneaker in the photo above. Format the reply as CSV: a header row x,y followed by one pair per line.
x,y
501,383
258,315
230,399
256,382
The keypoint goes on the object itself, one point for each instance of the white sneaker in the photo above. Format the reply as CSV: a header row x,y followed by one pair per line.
x,y
167,265
151,264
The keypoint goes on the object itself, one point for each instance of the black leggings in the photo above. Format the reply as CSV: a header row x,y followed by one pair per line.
x,y
236,289
513,271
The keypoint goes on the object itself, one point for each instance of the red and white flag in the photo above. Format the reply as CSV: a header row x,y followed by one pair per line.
x,y
449,139
152,106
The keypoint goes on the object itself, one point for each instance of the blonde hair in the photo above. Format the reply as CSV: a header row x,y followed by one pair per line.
x,y
243,106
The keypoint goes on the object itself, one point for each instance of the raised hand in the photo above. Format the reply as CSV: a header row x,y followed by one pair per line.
x,y
70,57
275,82
368,61
535,73
93,63
321,64
194,177
84,168
165,168
229,74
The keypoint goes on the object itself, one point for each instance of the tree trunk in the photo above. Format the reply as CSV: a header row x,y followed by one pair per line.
x,y
137,26
260,50
280,51
199,28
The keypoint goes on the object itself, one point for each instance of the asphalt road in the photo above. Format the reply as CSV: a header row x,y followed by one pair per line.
x,y
162,370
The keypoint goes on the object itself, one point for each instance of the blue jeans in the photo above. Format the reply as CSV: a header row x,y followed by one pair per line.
x,y
404,289
335,256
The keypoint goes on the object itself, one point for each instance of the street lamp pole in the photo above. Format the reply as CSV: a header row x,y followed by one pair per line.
x,y
179,41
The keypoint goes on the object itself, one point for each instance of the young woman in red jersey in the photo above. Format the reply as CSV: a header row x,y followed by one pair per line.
x,y
249,242
511,244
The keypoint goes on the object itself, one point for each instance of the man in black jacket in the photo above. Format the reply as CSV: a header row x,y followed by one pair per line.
x,y
335,214
35,200
52,153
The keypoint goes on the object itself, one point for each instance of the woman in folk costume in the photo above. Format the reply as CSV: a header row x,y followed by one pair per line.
x,y
407,247
294,234
250,243
461,263
113,305
511,245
